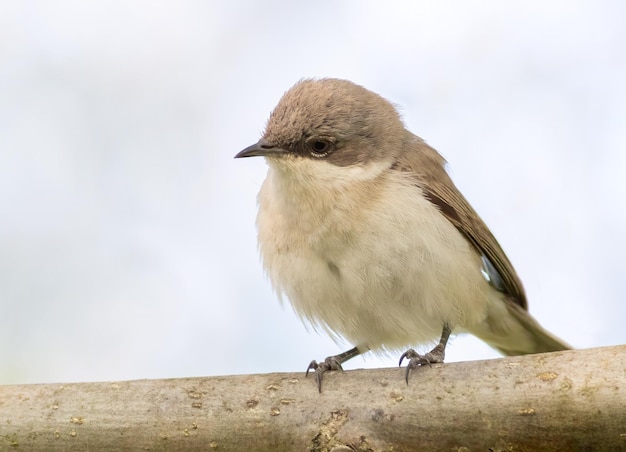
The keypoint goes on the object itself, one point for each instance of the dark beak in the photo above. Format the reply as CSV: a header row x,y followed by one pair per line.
x,y
261,149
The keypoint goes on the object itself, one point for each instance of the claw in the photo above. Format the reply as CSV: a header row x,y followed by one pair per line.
x,y
312,366
416,360
318,379
409,354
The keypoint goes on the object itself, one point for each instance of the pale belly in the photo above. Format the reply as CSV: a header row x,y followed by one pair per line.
x,y
383,278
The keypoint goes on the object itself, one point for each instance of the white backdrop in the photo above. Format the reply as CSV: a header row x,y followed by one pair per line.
x,y
127,238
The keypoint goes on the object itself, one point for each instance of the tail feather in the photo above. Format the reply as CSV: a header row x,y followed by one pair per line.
x,y
513,331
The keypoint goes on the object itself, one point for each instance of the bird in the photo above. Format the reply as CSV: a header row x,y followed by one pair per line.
x,y
362,229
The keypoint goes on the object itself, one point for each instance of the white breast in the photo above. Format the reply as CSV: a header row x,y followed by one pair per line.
x,y
361,253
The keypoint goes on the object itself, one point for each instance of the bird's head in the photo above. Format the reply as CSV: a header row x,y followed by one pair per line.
x,y
332,121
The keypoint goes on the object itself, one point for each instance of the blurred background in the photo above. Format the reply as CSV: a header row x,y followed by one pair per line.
x,y
127,236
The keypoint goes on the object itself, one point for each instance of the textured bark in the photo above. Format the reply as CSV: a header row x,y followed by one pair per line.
x,y
573,400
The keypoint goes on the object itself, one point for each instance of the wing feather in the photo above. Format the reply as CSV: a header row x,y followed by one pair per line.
x,y
427,167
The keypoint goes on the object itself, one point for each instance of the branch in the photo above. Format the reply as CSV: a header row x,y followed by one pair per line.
x,y
573,400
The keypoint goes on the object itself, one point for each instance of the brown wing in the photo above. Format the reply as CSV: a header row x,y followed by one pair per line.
x,y
430,175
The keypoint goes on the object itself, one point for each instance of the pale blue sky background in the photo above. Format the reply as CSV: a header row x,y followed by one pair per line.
x,y
127,238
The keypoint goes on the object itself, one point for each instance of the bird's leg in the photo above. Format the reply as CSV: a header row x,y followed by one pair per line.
x,y
330,363
436,355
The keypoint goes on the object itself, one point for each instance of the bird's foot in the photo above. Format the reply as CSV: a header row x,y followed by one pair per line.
x,y
436,355
330,363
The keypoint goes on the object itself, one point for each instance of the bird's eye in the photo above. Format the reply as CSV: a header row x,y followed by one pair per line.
x,y
320,146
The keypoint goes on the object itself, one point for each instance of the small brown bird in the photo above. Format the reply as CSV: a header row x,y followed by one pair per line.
x,y
362,229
